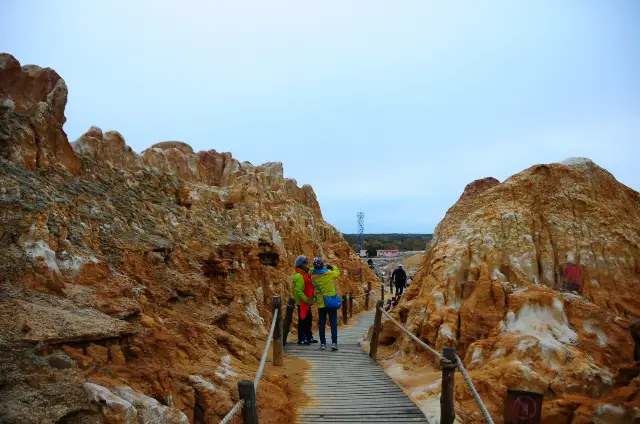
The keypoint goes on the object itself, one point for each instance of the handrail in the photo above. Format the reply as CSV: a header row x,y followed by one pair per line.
x,y
247,388
234,411
444,362
256,381
263,360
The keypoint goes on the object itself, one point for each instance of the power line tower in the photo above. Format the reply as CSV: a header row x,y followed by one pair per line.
x,y
360,231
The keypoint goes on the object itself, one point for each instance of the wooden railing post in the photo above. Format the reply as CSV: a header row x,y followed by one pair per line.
x,y
276,305
382,293
250,408
447,412
388,307
377,325
351,304
288,317
366,298
345,310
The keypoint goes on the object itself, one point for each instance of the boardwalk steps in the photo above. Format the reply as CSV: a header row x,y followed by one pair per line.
x,y
348,386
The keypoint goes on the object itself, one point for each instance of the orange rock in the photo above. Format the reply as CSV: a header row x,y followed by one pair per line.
x,y
116,355
32,103
170,258
99,353
534,280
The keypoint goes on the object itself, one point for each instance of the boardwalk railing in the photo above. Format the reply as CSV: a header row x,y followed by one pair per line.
x,y
248,388
449,361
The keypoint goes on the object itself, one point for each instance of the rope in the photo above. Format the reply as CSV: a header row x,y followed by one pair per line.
x,y
234,411
446,363
256,381
364,294
417,340
474,393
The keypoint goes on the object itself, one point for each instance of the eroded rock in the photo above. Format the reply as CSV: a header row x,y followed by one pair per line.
x,y
139,270
534,280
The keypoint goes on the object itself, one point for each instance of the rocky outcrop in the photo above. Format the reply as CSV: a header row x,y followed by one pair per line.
x,y
536,282
151,271
109,147
32,102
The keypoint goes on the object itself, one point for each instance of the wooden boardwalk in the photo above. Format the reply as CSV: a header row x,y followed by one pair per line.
x,y
348,386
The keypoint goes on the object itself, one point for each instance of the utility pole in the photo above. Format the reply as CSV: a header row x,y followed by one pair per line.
x,y
360,232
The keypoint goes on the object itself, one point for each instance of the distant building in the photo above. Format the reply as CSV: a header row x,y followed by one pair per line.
x,y
363,253
387,253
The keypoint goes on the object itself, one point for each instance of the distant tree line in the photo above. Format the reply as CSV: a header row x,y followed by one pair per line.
x,y
402,242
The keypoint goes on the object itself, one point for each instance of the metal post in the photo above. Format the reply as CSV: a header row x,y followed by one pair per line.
x,y
377,325
382,292
288,317
447,412
250,408
351,304
276,305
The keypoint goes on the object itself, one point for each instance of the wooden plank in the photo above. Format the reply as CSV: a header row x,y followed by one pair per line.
x,y
348,387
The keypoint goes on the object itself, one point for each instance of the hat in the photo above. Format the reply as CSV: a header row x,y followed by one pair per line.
x,y
301,260
399,265
318,263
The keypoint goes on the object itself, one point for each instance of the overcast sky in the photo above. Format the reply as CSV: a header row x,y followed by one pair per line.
x,y
389,107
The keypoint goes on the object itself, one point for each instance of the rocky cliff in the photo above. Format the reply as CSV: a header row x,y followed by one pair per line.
x,y
536,282
137,287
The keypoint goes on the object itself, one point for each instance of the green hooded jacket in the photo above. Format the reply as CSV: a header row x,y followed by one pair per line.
x,y
298,289
326,283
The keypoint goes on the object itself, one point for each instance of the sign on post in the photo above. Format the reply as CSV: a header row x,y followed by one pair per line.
x,y
522,407
355,271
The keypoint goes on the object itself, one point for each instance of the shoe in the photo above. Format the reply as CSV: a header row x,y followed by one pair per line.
x,y
313,340
334,347
323,347
303,342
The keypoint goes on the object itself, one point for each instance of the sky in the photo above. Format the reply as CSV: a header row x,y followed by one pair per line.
x,y
389,108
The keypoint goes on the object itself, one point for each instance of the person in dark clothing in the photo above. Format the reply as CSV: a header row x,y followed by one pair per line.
x,y
399,278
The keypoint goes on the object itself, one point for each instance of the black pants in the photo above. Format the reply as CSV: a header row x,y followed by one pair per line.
x,y
304,326
399,289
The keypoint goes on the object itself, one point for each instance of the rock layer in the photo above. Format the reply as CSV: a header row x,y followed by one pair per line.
x,y
536,282
137,288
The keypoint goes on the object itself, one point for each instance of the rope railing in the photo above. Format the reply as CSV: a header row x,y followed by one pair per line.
x,y
234,411
263,360
446,363
248,389
250,395
365,294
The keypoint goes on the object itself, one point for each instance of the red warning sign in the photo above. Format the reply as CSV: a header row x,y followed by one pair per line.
x,y
522,407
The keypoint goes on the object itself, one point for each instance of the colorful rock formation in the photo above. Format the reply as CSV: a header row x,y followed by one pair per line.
x,y
536,282
137,288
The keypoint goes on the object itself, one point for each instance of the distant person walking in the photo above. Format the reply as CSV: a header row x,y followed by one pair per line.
x,y
323,278
399,278
303,292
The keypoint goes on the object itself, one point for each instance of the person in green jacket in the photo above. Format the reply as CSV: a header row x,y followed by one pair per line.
x,y
303,291
324,277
